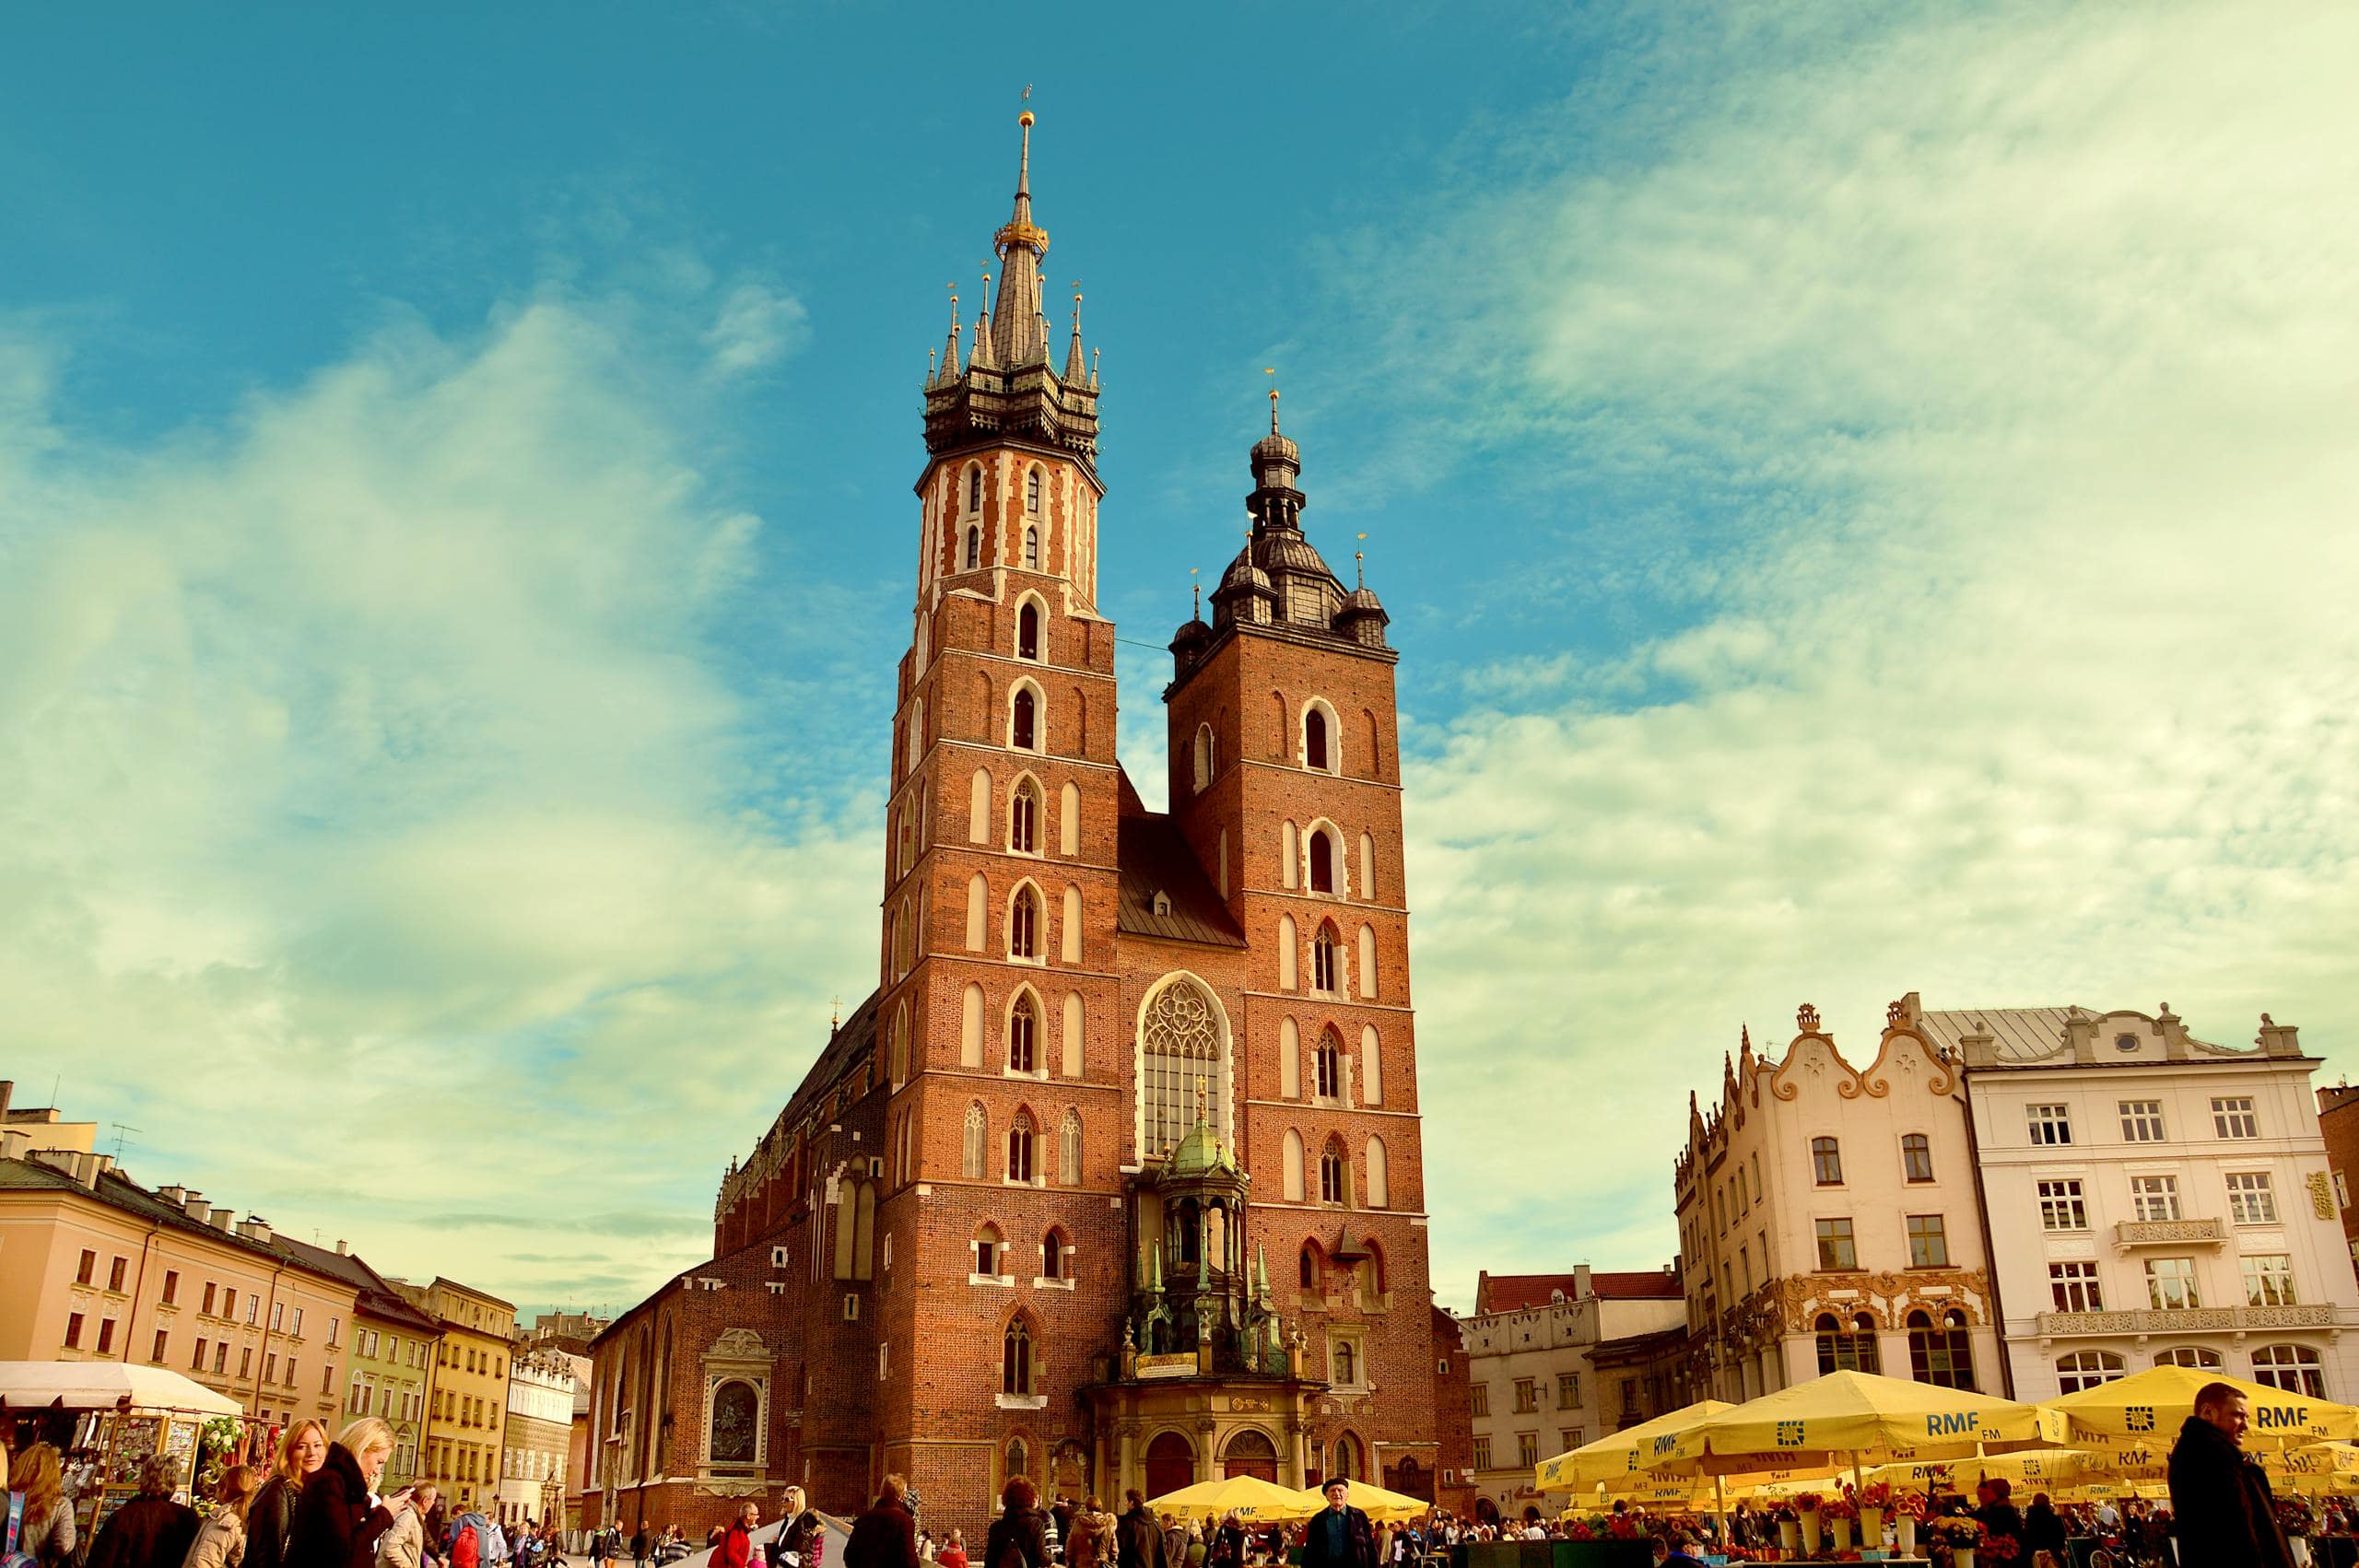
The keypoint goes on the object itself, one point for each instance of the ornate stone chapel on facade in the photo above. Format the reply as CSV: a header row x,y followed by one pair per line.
x,y
1116,1179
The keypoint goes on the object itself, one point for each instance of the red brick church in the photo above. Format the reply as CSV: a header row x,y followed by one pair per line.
x,y
1116,1179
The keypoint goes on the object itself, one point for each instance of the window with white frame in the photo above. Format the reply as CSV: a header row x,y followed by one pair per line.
x,y
2061,1207
2049,1124
2086,1369
2269,1278
2142,1121
2170,1284
2233,1117
1929,1244
2293,1368
2250,1199
2154,1198
2195,1356
2074,1287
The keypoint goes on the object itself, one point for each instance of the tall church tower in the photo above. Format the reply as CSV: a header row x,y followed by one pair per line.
x,y
998,997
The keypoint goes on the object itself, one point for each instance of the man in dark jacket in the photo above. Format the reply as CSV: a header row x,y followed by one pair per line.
x,y
1138,1539
1339,1536
151,1530
2226,1513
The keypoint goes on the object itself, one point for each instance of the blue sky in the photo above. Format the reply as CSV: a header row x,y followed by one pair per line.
x,y
1862,494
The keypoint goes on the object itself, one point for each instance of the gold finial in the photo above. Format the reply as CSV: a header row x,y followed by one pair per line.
x,y
954,305
1360,559
1196,596
835,1014
1271,370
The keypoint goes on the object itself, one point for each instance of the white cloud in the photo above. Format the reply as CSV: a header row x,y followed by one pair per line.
x,y
373,832
757,327
2023,356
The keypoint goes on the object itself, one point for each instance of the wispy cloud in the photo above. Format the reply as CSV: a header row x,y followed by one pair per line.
x,y
374,831
1991,385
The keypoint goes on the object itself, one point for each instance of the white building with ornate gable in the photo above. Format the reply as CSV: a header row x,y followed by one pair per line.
x,y
1829,1219
2154,1198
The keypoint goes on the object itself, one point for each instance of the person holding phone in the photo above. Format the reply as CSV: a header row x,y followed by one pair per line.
x,y
339,1519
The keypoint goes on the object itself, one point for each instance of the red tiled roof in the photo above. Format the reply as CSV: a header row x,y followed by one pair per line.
x,y
1519,1293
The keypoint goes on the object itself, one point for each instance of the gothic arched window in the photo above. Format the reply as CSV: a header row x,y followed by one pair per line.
x,y
1179,1047
1329,1061
1326,966
1322,861
974,492
1027,631
1309,1267
1024,728
1019,1149
1333,1185
1032,548
1023,1034
970,1148
1053,1255
1315,748
1024,818
974,547
1016,1359
1032,492
1203,757
1024,925
1069,1151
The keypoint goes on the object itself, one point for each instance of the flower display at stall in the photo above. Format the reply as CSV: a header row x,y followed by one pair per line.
x,y
1876,1494
1809,1501
1911,1506
1838,1508
1958,1532
2002,1549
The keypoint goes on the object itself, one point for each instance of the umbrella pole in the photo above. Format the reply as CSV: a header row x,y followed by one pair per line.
x,y
1721,1508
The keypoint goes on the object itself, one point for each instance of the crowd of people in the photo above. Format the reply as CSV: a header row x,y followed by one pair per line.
x,y
315,1507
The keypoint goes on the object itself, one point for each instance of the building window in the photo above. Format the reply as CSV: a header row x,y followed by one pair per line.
x,y
1023,1032
1527,1395
172,1286
2142,1121
1482,1450
1069,1150
1027,631
974,547
1024,730
1939,1353
1481,1391
1032,492
1322,861
161,1348
1825,1163
72,1330
2074,1287
1016,1359
1326,967
974,489
1024,925
2061,1207
1179,1047
207,1306
1308,1266
1019,1149
2342,1191
1024,818
115,1273
1836,1250
1314,737
2170,1284
2194,1356
2234,1117
197,1362
2293,1368
1847,1347
987,1250
2086,1369
1568,1392
2049,1124
84,1270
1526,1449
1330,1174
2154,1198
1929,1247
2250,1199
1032,549
1917,1157
2269,1280
1052,1257
1328,1066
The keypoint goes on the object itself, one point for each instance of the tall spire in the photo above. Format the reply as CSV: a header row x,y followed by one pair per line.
x,y
1018,334
1075,369
950,349
982,354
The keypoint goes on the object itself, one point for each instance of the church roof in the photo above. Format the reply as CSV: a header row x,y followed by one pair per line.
x,y
853,1037
1152,856
1200,1153
1521,1292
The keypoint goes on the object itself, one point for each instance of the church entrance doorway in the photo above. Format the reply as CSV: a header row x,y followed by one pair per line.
x,y
1252,1454
1171,1464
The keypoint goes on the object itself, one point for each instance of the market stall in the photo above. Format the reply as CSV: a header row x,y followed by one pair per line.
x,y
108,1417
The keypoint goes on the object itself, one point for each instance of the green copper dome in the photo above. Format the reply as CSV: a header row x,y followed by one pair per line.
x,y
1201,1153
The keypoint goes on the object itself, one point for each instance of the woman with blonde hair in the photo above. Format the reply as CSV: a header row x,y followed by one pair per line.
x,y
271,1513
46,1532
221,1540
339,1519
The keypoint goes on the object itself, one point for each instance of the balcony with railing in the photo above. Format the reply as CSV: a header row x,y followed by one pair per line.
x,y
2185,1320
2129,1234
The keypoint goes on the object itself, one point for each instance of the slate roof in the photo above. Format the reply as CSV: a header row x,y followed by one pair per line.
x,y
376,1296
855,1037
1151,856
118,1191
2018,1034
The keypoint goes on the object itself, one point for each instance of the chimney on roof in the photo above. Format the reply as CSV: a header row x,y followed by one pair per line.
x,y
15,1143
174,1195
7,1093
340,1249
257,1229
222,1219
1581,1290
195,1207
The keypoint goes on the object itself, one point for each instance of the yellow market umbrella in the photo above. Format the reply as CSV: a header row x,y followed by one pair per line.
x,y
1859,1415
1250,1497
2046,1469
1380,1505
1624,1453
2146,1409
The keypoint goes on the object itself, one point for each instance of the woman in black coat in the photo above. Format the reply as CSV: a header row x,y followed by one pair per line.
x,y
1018,1537
338,1519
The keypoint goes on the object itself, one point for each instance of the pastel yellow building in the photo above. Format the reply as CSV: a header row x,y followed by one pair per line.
x,y
466,1400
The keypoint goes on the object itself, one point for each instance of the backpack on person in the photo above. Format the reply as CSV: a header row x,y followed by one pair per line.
x,y
466,1551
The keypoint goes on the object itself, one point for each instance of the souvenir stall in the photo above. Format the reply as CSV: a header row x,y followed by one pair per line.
x,y
105,1418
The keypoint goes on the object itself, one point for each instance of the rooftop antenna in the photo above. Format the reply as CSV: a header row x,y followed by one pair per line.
x,y
835,1013
1273,371
1360,559
1195,596
119,1130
